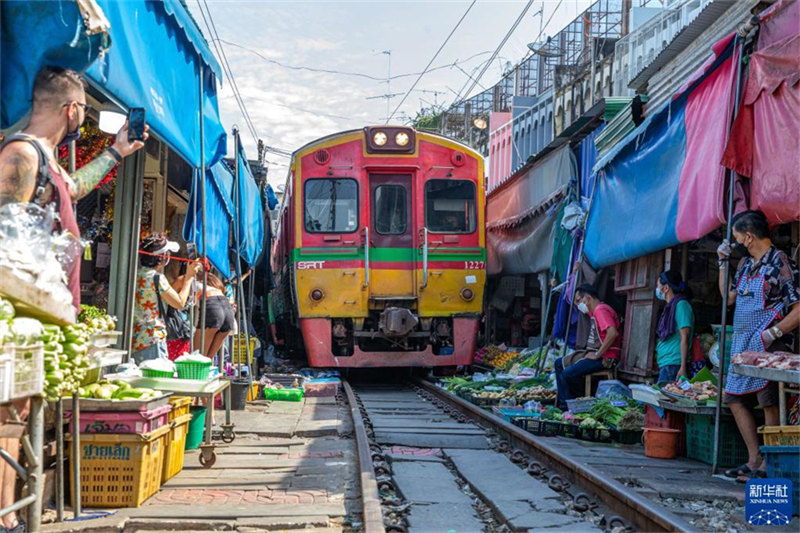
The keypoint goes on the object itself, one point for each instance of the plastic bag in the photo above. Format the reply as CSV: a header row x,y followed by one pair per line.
x,y
612,387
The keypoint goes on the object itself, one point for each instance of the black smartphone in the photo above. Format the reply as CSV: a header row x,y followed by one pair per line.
x,y
136,124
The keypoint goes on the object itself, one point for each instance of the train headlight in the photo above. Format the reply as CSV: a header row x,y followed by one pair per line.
x,y
467,294
317,295
401,139
379,138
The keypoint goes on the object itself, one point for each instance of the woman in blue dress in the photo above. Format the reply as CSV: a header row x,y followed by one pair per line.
x,y
765,291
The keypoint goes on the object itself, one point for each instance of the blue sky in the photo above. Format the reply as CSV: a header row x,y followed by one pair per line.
x,y
291,107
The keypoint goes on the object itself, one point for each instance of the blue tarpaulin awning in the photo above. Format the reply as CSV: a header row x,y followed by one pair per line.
x,y
250,213
218,209
36,34
154,62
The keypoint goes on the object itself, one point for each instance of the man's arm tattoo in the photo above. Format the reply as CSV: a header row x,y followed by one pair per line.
x,y
17,179
88,176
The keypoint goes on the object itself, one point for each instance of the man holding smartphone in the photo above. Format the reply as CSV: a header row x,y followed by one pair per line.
x,y
29,170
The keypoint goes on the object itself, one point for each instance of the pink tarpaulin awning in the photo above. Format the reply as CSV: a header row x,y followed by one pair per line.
x,y
764,143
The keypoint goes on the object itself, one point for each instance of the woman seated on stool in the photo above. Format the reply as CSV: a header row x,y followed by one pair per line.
x,y
603,346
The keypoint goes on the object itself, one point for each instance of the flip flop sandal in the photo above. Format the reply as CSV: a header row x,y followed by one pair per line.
x,y
738,471
755,474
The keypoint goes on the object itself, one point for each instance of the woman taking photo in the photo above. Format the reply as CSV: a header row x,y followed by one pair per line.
x,y
675,328
220,319
149,327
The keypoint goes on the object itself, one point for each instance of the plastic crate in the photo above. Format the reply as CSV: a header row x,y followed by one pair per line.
x,y
784,462
238,353
283,395
700,441
580,406
120,470
123,422
193,370
180,407
627,436
592,434
544,428
28,370
6,374
174,447
671,420
780,435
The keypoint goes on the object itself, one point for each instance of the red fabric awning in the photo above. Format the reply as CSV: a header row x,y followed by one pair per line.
x,y
763,144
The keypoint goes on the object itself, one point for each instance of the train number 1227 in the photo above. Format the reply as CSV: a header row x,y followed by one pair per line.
x,y
474,265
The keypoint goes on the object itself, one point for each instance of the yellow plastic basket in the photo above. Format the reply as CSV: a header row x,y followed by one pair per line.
x,y
180,407
780,435
120,470
252,394
174,448
238,353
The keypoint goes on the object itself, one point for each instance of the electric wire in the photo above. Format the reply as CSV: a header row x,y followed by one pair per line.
x,y
500,47
433,59
212,29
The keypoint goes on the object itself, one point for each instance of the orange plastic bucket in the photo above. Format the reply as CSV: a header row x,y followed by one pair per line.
x,y
661,443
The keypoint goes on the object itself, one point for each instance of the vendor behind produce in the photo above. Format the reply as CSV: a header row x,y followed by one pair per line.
x,y
603,346
29,170
766,292
675,328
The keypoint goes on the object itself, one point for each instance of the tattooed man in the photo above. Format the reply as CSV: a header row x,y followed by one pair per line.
x,y
29,171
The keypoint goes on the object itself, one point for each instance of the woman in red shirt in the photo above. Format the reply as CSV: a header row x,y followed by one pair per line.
x,y
603,346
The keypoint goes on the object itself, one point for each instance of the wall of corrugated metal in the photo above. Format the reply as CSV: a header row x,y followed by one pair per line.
x,y
669,79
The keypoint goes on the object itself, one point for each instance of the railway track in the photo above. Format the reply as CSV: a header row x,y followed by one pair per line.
x,y
430,461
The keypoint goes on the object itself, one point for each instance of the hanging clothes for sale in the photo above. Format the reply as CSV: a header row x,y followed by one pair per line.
x,y
763,144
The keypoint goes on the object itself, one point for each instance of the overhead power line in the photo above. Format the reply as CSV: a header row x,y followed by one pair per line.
x,y
212,29
344,72
499,47
432,59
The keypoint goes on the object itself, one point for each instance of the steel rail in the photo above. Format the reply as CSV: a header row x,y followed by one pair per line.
x,y
640,512
370,500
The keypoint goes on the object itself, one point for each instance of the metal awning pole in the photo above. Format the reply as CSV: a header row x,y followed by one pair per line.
x,y
727,275
238,265
204,248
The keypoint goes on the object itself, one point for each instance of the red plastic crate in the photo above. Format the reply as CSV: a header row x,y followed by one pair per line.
x,y
123,422
671,420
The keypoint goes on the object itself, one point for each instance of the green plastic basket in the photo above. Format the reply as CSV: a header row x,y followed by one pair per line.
x,y
283,395
193,370
150,373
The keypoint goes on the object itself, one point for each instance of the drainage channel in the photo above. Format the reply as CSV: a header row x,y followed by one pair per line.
x,y
435,470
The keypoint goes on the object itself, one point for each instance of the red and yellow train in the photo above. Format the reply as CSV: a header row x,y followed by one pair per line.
x,y
380,252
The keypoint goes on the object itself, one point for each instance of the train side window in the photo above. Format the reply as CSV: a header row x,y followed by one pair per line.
x,y
391,211
450,206
331,205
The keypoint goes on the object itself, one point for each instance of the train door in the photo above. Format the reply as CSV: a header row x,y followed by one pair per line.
x,y
391,237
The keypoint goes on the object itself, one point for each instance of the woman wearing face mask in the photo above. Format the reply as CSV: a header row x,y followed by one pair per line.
x,y
149,328
675,328
766,294
603,346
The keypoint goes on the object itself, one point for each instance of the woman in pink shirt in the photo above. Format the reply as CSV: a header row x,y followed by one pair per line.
x,y
602,346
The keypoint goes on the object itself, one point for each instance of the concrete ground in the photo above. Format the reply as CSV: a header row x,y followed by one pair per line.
x,y
291,467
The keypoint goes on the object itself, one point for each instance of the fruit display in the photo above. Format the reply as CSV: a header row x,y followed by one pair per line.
x,y
116,390
534,393
97,319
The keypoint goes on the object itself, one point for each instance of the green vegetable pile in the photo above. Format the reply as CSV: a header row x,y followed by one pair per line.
x,y
552,413
604,412
96,318
116,390
66,358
